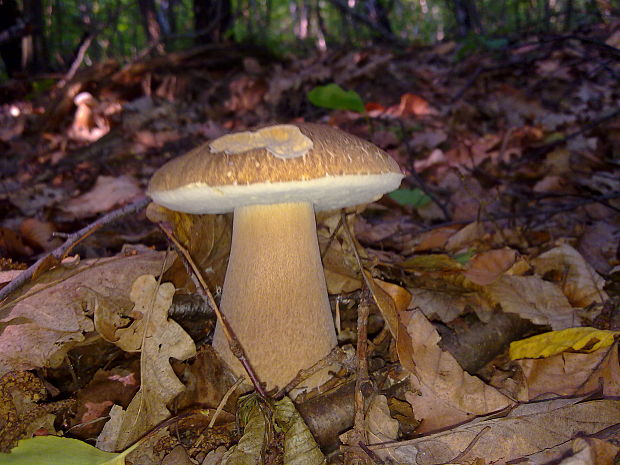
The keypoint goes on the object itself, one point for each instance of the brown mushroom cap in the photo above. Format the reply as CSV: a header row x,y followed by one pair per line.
x,y
302,162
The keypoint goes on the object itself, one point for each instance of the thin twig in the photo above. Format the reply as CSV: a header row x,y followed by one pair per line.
x,y
375,458
363,384
337,355
73,239
222,403
203,290
471,444
511,216
331,238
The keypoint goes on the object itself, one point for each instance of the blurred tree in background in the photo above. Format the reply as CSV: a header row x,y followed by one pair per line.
x,y
51,35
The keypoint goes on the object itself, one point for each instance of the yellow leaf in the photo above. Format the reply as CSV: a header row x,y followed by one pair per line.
x,y
583,339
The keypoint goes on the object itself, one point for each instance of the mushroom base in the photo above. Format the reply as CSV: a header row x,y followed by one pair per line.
x,y
275,296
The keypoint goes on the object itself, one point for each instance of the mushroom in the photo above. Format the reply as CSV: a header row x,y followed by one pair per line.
x,y
84,120
274,179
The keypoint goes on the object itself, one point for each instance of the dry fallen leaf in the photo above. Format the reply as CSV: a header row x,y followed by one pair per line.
x,y
297,446
445,301
158,339
531,298
379,425
580,283
571,374
42,322
207,238
107,192
488,266
524,432
583,339
592,451
442,394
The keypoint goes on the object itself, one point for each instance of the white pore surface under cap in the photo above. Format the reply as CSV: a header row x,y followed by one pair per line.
x,y
325,193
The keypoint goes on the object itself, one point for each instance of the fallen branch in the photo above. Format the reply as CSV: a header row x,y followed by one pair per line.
x,y
58,254
77,62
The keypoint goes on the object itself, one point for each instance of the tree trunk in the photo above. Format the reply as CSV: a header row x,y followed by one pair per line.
x,y
547,15
321,29
150,22
11,47
212,18
301,19
467,19
35,57
378,15
568,15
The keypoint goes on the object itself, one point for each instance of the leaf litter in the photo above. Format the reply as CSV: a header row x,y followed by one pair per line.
x,y
531,191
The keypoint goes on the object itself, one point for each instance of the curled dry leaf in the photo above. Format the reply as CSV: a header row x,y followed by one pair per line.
x,y
50,315
341,270
392,300
442,393
400,295
533,299
207,238
579,282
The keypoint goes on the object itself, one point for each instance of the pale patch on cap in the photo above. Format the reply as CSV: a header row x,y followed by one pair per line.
x,y
282,141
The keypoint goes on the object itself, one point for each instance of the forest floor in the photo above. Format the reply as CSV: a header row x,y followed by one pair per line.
x,y
507,226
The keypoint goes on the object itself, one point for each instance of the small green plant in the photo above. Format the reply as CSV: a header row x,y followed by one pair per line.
x,y
334,97
464,257
415,198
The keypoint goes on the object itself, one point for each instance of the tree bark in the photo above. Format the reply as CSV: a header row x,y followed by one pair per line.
x,y
378,14
11,42
568,15
35,57
467,18
150,22
212,19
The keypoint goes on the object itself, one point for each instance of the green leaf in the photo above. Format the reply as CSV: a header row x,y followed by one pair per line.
x,y
53,450
465,257
413,197
334,97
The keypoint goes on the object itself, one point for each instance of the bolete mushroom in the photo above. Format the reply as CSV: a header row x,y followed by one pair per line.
x,y
274,179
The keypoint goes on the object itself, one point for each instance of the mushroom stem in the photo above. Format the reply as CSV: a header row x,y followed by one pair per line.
x,y
274,295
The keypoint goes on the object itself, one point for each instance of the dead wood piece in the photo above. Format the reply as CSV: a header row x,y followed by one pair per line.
x,y
479,343
329,415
